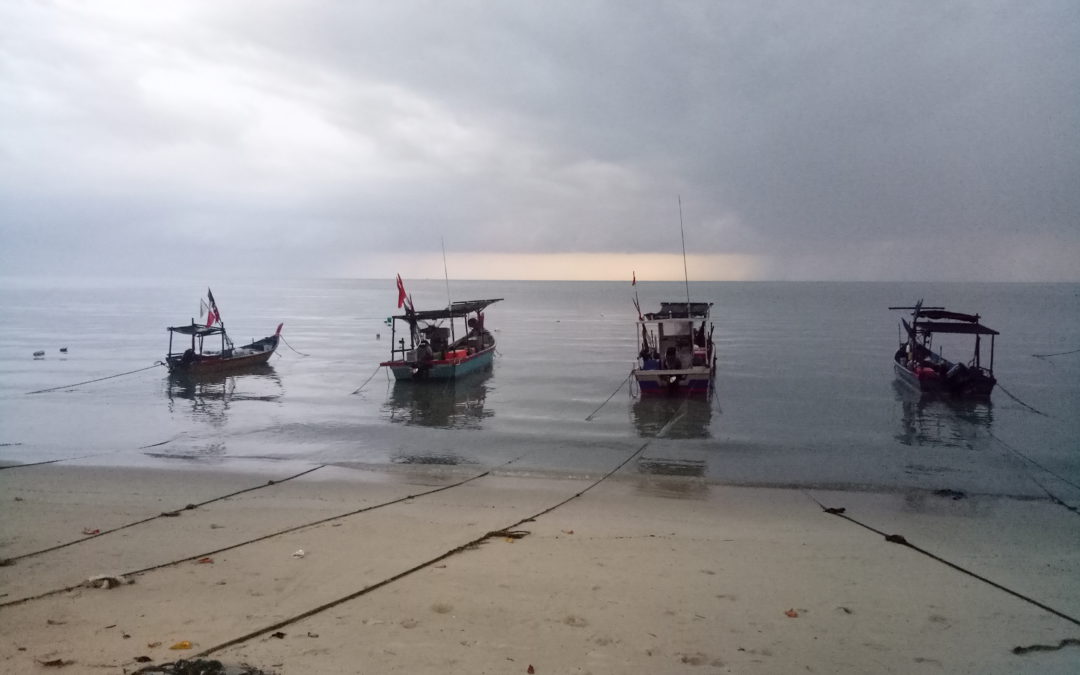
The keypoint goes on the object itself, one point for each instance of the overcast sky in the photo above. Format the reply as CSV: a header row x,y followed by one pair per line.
x,y
808,140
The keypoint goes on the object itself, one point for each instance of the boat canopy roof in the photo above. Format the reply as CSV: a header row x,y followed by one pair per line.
x,y
456,309
958,328
944,321
678,310
196,329
945,314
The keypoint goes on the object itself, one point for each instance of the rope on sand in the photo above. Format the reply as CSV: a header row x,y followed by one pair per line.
x,y
163,514
899,539
109,377
264,537
1067,642
54,461
506,532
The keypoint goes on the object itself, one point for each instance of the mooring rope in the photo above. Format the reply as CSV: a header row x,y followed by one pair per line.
x,y
508,531
1023,456
899,539
55,461
1010,395
163,514
264,537
282,338
109,377
505,532
357,390
1067,642
1046,356
1053,497
624,381
96,454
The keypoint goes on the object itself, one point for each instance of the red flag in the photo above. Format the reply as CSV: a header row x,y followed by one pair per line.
x,y
634,282
213,315
401,295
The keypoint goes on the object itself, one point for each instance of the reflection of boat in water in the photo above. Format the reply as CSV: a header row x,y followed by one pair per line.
x,y
670,466
450,404
211,394
934,421
923,369
683,418
673,477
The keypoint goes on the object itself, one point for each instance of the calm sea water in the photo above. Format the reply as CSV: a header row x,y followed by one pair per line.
x,y
805,391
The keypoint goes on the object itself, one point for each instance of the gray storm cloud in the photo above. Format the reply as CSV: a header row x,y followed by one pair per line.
x,y
830,140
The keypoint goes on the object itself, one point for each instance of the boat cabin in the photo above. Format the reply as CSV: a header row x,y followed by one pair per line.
x,y
675,338
921,364
198,334
430,340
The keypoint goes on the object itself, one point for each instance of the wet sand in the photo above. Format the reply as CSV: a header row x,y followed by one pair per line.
x,y
640,574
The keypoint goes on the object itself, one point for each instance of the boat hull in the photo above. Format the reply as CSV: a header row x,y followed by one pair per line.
x,y
674,383
446,369
977,386
205,364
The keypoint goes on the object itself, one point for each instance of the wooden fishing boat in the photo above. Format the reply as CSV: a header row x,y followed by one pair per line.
x,y
202,357
675,353
918,365
434,351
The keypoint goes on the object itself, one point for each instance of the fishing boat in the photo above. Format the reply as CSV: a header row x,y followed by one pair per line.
x,y
675,350
201,357
434,350
918,365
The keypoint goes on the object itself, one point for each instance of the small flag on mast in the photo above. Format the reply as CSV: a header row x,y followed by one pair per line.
x,y
213,315
403,298
401,295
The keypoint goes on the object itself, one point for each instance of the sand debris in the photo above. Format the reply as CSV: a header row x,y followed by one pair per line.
x,y
107,581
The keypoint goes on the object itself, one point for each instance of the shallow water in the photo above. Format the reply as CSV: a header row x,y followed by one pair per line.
x,y
805,391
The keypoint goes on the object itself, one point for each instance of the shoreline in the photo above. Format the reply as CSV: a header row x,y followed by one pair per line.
x,y
641,573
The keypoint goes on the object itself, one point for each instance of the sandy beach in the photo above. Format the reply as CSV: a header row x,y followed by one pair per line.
x,y
640,574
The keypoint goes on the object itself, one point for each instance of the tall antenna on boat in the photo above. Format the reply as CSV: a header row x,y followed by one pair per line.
x,y
686,276
449,302
446,275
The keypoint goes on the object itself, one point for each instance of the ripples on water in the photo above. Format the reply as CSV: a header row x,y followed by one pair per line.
x,y
804,395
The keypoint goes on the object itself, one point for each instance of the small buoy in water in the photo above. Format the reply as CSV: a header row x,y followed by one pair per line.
x,y
63,350
39,353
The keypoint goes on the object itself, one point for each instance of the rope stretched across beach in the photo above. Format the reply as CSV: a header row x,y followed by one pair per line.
x,y
901,540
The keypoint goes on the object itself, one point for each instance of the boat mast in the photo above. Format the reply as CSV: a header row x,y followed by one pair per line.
x,y
449,302
686,276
